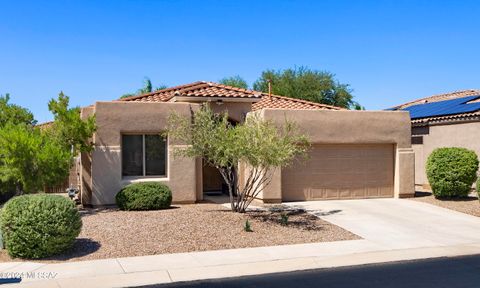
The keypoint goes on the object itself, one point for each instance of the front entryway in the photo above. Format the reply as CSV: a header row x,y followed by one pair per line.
x,y
213,183
341,171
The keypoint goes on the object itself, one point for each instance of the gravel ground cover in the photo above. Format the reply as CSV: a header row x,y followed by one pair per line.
x,y
469,205
185,228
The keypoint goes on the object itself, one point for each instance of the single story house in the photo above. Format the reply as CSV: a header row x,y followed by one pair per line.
x,y
355,154
446,120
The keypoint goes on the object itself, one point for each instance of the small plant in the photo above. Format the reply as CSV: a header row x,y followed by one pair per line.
x,y
247,227
478,187
284,219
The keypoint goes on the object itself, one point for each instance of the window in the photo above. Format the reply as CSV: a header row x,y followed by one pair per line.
x,y
144,155
421,130
417,140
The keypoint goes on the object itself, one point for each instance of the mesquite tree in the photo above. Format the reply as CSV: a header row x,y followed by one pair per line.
x,y
32,157
257,143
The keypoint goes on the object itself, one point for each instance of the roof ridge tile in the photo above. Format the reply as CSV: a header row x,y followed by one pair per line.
x,y
212,89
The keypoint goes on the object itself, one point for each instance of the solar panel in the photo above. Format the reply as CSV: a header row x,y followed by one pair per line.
x,y
442,108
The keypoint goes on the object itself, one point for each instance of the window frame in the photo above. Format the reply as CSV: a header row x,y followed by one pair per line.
x,y
144,157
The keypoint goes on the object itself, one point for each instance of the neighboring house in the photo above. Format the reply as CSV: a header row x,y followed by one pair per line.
x,y
355,154
446,120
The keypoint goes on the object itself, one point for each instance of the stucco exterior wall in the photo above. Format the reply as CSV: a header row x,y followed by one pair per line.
x,y
114,119
464,135
352,127
102,169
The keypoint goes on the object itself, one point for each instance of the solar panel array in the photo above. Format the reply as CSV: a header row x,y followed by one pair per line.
x,y
442,108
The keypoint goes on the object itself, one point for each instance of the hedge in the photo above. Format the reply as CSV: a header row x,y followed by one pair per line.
x,y
451,172
38,226
144,196
478,187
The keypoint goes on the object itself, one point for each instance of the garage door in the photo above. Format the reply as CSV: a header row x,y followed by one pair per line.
x,y
340,172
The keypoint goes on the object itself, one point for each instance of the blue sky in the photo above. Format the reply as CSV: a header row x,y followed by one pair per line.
x,y
388,51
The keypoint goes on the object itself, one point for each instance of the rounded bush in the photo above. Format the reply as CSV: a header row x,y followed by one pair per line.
x,y
144,196
478,187
452,171
38,226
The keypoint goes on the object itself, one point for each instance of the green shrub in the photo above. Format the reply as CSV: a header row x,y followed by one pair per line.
x,y
452,171
38,226
144,196
478,187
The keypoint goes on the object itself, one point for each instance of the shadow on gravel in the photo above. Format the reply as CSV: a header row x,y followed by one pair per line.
x,y
297,218
85,212
456,199
81,247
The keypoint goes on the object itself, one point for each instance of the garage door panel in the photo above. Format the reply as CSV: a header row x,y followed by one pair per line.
x,y
344,193
373,192
358,193
331,193
341,172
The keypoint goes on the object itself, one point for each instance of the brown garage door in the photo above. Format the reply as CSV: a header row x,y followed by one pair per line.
x,y
341,172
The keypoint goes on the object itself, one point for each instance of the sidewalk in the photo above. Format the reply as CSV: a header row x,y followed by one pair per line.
x,y
392,230
137,271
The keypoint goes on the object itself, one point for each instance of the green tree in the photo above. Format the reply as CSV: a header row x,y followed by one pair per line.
x,y
256,143
11,113
235,81
357,106
147,88
31,159
68,127
304,83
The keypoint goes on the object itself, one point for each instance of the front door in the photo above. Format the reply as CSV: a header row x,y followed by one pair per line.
x,y
213,183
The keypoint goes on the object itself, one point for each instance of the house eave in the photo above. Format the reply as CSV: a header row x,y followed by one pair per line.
x,y
445,121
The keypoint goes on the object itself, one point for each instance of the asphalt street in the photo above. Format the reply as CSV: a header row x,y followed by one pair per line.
x,y
440,272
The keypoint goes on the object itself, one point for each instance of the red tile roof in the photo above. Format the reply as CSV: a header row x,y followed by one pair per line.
x,y
210,89
196,89
282,102
44,125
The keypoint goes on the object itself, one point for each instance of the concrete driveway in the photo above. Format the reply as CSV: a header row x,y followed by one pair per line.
x,y
398,223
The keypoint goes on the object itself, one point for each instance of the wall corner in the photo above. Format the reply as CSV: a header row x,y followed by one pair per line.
x,y
404,184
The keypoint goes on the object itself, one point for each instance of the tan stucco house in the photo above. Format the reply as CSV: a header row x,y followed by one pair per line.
x,y
445,120
355,154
